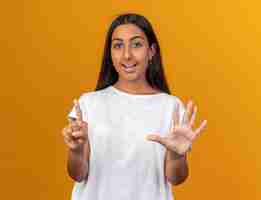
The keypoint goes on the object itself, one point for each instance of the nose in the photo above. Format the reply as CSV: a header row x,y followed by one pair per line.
x,y
127,53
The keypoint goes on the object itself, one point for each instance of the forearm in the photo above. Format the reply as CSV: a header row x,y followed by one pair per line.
x,y
176,168
78,164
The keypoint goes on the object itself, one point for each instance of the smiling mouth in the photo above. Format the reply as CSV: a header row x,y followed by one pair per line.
x,y
129,68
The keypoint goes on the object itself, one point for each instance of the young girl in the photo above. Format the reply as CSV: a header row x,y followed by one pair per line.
x,y
129,138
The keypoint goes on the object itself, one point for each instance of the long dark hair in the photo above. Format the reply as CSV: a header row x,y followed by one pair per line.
x,y
155,72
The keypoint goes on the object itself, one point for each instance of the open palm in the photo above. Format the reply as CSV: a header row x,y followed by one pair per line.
x,y
181,135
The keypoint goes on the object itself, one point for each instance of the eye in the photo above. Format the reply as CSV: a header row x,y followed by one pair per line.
x,y
136,44
117,45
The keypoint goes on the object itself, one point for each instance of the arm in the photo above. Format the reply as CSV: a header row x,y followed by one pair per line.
x,y
78,163
176,168
178,142
76,138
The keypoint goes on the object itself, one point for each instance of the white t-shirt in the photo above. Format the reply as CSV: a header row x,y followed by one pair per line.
x,y
124,165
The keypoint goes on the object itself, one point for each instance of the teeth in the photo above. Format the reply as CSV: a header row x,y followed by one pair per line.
x,y
129,65
129,68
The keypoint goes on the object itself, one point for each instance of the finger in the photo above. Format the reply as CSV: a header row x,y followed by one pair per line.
x,y
83,124
79,134
187,113
70,140
173,121
193,116
156,138
78,110
64,132
201,127
70,143
74,126
67,136
71,120
67,132
176,116
80,141
67,139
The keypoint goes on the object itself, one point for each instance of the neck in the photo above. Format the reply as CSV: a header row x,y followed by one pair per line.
x,y
135,87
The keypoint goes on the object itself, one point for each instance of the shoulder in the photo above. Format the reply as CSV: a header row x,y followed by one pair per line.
x,y
174,102
173,99
93,95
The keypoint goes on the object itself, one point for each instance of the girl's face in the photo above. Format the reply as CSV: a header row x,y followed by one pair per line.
x,y
130,53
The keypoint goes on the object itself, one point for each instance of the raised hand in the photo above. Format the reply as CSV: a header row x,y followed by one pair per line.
x,y
76,132
181,135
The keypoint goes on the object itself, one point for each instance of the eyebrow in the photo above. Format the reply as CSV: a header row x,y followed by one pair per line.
x,y
133,38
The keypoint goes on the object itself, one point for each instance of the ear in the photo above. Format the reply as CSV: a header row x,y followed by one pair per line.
x,y
152,51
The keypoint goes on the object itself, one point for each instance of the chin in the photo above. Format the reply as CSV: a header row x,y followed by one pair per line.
x,y
130,77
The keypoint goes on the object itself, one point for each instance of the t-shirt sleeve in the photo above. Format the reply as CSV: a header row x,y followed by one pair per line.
x,y
83,102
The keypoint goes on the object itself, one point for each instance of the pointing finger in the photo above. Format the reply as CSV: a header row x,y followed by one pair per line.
x,y
78,110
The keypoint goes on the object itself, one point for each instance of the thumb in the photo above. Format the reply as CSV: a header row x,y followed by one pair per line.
x,y
156,138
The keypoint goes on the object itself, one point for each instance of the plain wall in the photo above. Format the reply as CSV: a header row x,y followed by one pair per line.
x,y
51,53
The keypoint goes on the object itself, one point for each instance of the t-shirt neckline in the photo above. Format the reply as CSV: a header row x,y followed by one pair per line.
x,y
120,92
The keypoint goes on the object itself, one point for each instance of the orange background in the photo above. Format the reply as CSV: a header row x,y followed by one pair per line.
x,y
51,52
